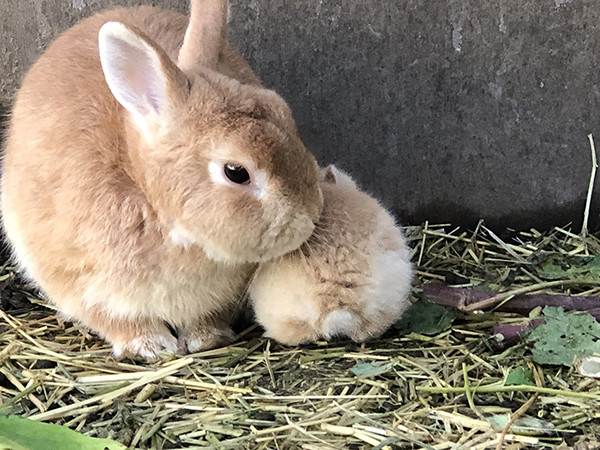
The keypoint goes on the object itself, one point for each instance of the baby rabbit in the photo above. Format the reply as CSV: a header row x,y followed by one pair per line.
x,y
351,278
146,175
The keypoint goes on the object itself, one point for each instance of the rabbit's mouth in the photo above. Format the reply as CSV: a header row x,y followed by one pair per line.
x,y
284,238
277,240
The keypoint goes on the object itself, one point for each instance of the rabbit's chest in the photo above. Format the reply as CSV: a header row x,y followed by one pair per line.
x,y
175,294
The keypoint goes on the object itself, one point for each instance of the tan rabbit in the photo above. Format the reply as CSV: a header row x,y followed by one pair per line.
x,y
351,278
143,182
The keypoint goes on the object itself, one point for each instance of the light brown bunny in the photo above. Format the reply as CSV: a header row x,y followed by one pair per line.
x,y
142,183
351,278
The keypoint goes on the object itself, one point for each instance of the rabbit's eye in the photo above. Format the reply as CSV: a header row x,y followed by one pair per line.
x,y
236,174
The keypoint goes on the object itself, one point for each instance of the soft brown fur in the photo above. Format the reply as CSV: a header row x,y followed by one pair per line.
x,y
89,200
351,278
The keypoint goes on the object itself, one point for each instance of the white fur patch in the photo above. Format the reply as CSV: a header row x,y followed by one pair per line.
x,y
180,236
339,323
260,181
215,171
215,253
148,346
391,275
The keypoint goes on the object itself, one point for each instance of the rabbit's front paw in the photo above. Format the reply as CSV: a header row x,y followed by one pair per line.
x,y
147,346
204,339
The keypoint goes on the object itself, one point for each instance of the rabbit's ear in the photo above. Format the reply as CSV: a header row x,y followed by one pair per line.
x,y
139,74
328,175
205,35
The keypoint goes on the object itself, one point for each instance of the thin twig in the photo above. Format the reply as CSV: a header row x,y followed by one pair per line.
x,y
522,410
518,388
504,296
588,201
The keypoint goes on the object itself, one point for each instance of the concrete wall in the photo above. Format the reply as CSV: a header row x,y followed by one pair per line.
x,y
448,110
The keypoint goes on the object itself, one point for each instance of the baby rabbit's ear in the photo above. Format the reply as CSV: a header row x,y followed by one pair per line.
x,y
333,175
328,175
139,74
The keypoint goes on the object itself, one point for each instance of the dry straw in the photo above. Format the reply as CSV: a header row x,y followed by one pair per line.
x,y
436,392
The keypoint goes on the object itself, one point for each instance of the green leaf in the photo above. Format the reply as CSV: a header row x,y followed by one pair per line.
x,y
564,336
593,266
557,266
365,370
17,433
525,425
427,318
519,376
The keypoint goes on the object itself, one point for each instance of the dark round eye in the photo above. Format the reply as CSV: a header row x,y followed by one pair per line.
x,y
237,174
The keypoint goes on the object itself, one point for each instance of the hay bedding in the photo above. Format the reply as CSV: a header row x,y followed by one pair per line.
x,y
411,391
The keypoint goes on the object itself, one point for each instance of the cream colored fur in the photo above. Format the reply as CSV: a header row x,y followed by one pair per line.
x,y
107,198
352,278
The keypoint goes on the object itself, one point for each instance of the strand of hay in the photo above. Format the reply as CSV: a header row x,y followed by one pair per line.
x,y
434,392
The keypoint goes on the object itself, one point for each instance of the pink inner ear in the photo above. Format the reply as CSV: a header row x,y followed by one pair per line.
x,y
134,74
142,78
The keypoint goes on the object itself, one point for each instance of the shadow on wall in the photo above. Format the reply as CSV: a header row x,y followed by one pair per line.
x,y
448,111
445,211
4,116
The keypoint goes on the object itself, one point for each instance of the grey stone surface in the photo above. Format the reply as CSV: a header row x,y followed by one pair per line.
x,y
448,111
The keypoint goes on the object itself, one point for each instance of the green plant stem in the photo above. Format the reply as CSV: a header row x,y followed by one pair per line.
x,y
521,388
